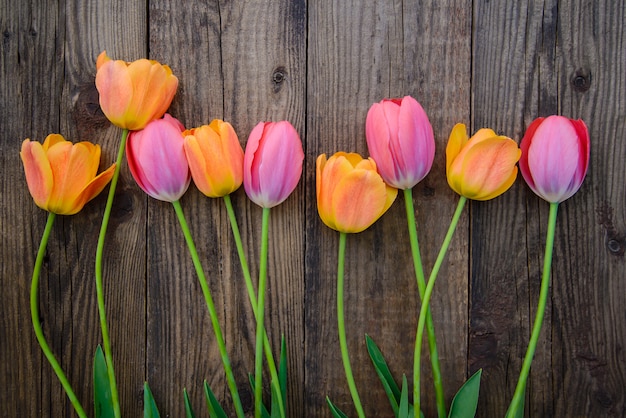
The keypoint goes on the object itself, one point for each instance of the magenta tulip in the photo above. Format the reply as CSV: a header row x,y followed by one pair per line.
x,y
555,157
400,139
157,161
272,163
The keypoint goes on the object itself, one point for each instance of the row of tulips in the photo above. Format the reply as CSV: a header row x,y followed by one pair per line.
x,y
352,193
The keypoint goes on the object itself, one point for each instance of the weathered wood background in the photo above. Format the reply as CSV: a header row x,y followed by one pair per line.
x,y
320,65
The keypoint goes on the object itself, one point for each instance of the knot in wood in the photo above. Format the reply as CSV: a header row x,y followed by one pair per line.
x,y
581,80
279,75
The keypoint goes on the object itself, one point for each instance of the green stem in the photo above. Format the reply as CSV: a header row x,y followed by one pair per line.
x,y
426,300
211,307
99,287
253,300
342,328
260,316
520,389
421,285
34,313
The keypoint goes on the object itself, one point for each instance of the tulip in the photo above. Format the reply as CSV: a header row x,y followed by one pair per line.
x,y
215,158
61,176
272,163
133,94
351,195
555,157
483,166
400,139
156,158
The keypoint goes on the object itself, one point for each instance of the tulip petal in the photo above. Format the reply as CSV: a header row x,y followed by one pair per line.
x,y
456,142
359,200
93,189
38,172
328,175
116,91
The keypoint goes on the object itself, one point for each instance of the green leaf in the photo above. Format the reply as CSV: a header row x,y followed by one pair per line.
x,y
103,401
403,411
466,399
188,410
264,412
150,409
382,370
337,413
282,370
215,409
274,406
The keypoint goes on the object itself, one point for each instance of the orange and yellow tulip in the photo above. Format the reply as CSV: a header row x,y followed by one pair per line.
x,y
61,176
483,166
351,195
215,158
133,94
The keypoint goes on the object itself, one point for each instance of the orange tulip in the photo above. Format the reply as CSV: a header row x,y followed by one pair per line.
x,y
351,195
61,176
483,166
133,94
215,158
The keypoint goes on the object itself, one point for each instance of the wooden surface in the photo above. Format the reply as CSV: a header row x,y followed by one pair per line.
x,y
320,65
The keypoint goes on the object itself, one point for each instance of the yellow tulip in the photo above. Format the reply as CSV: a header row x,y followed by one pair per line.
x,y
215,158
61,176
133,94
483,166
351,195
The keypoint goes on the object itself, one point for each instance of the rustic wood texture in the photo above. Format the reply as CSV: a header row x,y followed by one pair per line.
x,y
320,65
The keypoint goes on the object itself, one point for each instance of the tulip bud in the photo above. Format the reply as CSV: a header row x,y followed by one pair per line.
x,y
157,160
272,163
351,195
481,167
400,139
555,157
133,94
61,176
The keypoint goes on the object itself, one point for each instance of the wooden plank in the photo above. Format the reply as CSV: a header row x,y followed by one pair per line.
x,y
360,53
247,65
588,286
121,32
508,233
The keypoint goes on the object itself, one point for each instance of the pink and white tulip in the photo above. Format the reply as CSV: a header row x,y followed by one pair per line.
x,y
555,157
157,161
272,163
400,139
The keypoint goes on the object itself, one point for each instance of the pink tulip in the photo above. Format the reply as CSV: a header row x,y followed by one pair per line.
x,y
555,157
400,139
157,161
272,163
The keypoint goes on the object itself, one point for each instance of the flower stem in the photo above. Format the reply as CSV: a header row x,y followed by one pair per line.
x,y
253,300
520,389
99,288
260,316
426,300
421,285
342,328
34,312
211,307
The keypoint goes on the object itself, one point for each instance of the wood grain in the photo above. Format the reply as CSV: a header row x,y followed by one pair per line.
x,y
320,65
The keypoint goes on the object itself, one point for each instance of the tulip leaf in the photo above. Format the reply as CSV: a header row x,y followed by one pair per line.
x,y
274,405
465,401
150,409
384,374
403,410
103,401
282,371
215,409
188,409
264,412
337,413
